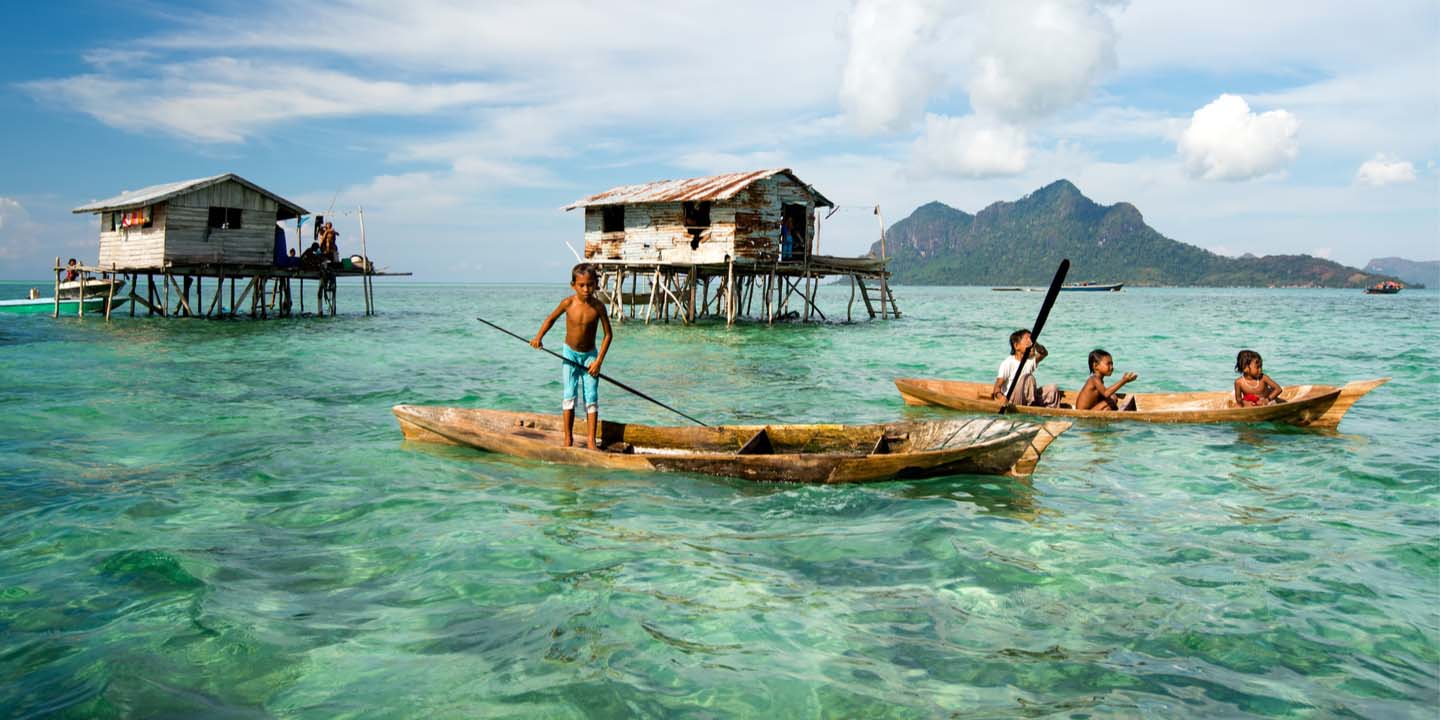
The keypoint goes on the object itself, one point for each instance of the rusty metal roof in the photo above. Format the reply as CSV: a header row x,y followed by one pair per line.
x,y
714,187
156,193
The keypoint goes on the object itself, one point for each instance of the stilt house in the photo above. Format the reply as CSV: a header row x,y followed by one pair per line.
x,y
703,220
219,220
658,248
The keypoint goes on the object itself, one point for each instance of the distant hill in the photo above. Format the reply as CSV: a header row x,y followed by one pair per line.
x,y
1411,272
1021,243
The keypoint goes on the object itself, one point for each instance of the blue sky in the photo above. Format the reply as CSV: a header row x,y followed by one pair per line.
x,y
463,127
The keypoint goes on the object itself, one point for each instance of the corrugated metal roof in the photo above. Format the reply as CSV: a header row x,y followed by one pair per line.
x,y
157,193
713,187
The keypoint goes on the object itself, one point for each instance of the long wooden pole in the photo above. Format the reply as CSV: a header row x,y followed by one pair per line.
x,y
57,288
82,293
602,376
1040,319
365,279
110,298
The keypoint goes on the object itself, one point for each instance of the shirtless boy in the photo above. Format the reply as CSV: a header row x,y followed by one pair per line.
x,y
583,314
1095,396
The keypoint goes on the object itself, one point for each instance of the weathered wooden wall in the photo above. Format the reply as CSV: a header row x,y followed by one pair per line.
x,y
745,226
180,231
134,247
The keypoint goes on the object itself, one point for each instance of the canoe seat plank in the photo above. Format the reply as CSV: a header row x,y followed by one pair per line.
x,y
758,444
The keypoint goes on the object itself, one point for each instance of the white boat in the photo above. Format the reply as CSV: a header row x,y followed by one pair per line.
x,y
97,288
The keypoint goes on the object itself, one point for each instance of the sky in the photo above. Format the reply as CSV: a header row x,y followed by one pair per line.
x,y
463,127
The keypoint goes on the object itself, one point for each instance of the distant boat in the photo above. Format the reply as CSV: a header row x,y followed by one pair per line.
x,y
98,288
47,305
1013,289
1389,287
1092,287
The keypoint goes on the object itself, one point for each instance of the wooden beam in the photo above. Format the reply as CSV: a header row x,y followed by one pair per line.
x,y
184,297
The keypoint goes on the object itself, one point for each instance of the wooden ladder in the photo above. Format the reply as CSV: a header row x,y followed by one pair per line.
x,y
883,297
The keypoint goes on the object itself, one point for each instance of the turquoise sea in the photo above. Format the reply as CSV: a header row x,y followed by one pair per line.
x,y
219,519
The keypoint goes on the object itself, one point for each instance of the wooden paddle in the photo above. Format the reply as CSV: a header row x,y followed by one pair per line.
x,y
602,376
1050,296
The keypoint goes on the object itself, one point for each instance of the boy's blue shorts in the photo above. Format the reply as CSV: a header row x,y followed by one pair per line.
x,y
578,380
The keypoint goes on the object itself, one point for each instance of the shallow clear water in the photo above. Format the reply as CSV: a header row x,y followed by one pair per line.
x,y
220,519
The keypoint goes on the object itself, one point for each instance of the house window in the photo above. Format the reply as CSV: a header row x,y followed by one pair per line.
x,y
612,218
697,214
222,218
125,219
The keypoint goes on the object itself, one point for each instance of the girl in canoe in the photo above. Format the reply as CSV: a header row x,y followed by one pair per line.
x,y
584,314
1254,388
1095,396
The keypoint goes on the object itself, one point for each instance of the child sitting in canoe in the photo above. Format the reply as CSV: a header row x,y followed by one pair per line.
x,y
1095,396
580,375
1254,388
1025,393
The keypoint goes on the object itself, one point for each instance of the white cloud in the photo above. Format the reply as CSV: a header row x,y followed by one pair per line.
x,y
886,82
1322,253
971,146
223,99
1226,141
17,232
1037,57
1019,60
1385,170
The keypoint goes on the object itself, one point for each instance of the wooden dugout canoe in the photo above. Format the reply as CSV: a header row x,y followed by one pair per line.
x,y
1313,406
777,453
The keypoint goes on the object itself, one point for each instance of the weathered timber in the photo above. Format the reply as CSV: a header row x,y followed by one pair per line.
x,y
798,453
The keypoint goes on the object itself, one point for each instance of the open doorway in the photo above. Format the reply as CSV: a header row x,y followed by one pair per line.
x,y
797,245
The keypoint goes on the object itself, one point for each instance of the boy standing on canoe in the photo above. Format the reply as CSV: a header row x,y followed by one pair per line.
x,y
581,373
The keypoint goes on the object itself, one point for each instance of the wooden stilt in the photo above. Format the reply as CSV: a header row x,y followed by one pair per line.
x,y
165,280
110,298
693,280
851,304
215,301
654,283
732,303
134,278
184,296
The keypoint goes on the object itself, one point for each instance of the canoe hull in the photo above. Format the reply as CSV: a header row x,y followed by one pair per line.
x,y
803,453
47,305
1313,406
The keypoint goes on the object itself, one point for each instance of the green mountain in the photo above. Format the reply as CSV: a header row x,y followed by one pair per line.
x,y
1415,273
1021,243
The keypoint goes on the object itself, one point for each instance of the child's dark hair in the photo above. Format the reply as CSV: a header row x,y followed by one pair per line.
x,y
1244,358
583,269
1015,337
1096,356
1039,352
